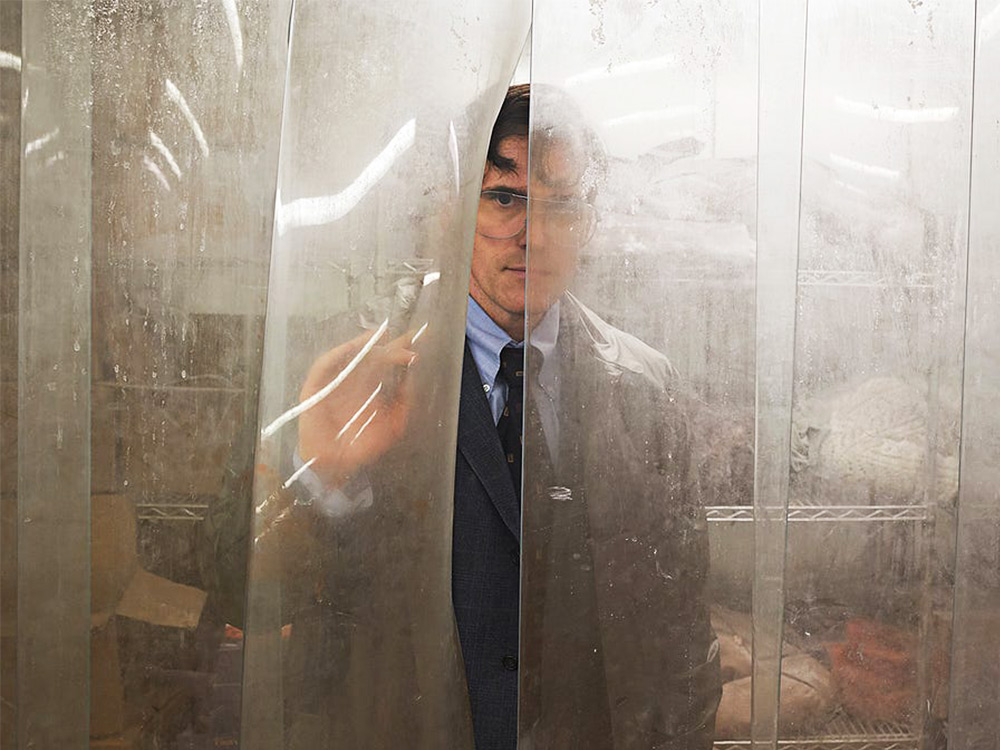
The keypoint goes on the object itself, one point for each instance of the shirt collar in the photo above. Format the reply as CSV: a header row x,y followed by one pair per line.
x,y
543,337
486,340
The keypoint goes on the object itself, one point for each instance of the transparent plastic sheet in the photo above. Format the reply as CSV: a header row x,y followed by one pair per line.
x,y
779,183
351,638
53,376
974,709
187,123
640,424
10,180
150,134
878,371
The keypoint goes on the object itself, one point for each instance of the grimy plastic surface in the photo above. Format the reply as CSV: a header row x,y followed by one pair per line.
x,y
647,113
974,699
139,158
760,500
351,639
864,369
878,361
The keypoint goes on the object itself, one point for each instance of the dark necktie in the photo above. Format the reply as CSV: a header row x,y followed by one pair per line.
x,y
509,426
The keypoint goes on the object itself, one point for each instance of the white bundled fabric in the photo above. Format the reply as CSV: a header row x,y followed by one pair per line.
x,y
875,435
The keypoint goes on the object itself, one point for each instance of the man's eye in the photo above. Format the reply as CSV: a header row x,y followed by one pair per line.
x,y
503,199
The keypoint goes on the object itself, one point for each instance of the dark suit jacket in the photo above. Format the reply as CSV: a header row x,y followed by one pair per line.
x,y
616,646
485,568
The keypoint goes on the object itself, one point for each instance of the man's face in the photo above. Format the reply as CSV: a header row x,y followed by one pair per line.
x,y
499,265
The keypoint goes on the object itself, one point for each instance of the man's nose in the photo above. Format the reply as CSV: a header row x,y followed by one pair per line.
x,y
531,235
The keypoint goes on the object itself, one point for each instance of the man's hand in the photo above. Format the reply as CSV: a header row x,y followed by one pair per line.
x,y
361,418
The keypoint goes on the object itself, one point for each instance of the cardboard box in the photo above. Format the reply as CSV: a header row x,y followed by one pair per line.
x,y
107,698
120,588
128,740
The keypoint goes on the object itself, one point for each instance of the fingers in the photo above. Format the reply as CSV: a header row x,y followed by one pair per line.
x,y
363,391
399,352
331,363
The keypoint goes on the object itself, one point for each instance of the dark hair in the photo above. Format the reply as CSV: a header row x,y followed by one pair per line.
x,y
512,121
557,120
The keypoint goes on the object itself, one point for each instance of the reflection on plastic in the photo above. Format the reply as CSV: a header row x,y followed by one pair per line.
x,y
351,638
311,212
618,648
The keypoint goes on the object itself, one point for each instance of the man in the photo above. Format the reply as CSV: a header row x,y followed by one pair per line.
x,y
616,648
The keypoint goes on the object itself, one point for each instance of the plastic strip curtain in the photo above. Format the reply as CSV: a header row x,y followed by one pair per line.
x,y
10,181
861,198
148,151
388,110
974,707
53,376
640,424
878,367
779,176
781,309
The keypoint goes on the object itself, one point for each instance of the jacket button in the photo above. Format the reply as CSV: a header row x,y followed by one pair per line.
x,y
510,663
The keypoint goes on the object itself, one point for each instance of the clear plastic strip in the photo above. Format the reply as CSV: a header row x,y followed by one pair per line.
x,y
10,179
974,712
364,216
262,727
783,25
54,377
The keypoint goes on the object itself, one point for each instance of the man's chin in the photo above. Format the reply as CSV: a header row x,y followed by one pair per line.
x,y
541,296
538,306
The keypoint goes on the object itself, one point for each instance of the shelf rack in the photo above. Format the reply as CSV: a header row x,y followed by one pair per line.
x,y
866,279
171,511
843,733
799,512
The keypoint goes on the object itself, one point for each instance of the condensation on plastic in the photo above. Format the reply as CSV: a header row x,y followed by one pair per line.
x,y
53,377
148,154
10,180
878,367
388,110
138,157
655,365
779,182
974,709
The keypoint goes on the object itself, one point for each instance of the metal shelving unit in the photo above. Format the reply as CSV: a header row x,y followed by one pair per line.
x,y
171,511
799,512
865,279
843,733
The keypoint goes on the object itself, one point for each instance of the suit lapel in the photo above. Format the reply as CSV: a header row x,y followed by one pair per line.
x,y
480,444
